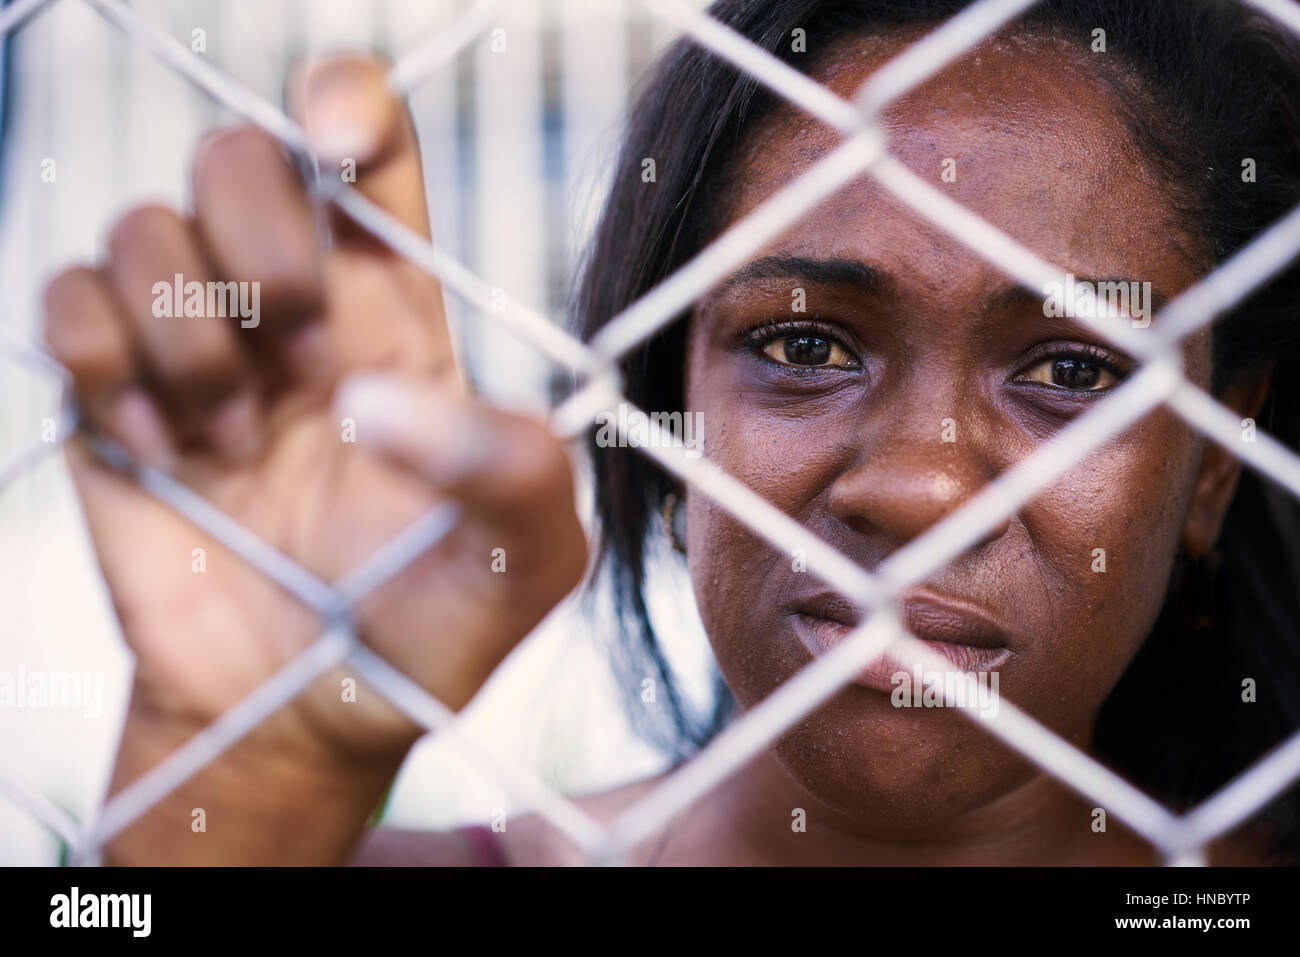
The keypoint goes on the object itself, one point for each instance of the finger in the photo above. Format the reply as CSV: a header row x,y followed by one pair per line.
x,y
257,226
191,361
493,461
85,333
360,128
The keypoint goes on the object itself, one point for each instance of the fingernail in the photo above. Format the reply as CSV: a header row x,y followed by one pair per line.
x,y
135,421
233,429
433,432
341,111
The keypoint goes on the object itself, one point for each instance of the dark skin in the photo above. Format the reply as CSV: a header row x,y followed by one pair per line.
x,y
852,451
847,439
850,445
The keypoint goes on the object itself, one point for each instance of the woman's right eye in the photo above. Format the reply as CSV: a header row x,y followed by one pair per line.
x,y
804,348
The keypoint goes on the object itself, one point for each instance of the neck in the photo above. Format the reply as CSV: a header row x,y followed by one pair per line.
x,y
1040,821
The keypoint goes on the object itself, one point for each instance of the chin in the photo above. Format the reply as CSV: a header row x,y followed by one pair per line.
x,y
890,770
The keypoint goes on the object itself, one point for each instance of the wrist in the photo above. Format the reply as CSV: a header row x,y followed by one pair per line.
x,y
262,801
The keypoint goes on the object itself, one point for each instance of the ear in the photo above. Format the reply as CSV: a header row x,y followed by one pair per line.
x,y
1220,469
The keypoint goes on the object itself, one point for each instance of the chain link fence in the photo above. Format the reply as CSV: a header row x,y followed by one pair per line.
x,y
1180,838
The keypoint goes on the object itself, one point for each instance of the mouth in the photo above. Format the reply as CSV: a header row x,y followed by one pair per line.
x,y
966,636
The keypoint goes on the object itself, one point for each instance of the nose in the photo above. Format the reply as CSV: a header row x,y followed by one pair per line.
x,y
910,473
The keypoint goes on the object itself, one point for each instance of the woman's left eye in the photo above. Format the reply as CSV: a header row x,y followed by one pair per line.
x,y
807,351
1074,373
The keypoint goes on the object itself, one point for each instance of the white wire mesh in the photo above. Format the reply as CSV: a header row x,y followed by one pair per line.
x,y
1180,838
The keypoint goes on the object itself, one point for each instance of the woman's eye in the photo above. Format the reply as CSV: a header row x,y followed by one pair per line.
x,y
1074,373
807,350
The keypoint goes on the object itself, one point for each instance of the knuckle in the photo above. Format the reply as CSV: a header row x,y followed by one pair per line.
x,y
66,296
541,465
78,328
142,227
225,155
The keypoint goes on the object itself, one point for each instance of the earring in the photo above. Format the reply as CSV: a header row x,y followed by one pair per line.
x,y
674,520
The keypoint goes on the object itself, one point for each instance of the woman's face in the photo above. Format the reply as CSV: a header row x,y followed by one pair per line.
x,y
917,373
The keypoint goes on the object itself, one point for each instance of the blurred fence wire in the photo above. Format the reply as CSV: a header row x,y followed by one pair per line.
x,y
1181,838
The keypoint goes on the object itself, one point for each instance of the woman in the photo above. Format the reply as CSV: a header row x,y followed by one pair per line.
x,y
915,374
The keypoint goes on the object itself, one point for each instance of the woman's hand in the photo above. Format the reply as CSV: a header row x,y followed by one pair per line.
x,y
324,423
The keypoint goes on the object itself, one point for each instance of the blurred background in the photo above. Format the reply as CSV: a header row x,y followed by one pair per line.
x,y
518,146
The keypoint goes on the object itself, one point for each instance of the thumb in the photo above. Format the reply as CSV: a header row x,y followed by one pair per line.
x,y
491,460
360,127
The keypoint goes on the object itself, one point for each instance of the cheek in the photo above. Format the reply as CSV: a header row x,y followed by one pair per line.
x,y
1103,540
1081,575
735,572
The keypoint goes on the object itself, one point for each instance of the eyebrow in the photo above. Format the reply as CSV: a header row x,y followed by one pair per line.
x,y
869,280
1020,296
826,272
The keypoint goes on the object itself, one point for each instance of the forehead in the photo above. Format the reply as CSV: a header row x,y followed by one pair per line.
x,y
1037,142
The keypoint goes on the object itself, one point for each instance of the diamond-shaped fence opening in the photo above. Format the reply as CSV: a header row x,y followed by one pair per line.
x,y
864,150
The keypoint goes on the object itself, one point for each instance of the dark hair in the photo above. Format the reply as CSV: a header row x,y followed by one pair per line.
x,y
1203,85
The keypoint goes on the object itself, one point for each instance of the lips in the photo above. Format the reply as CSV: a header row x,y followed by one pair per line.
x,y
965,635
